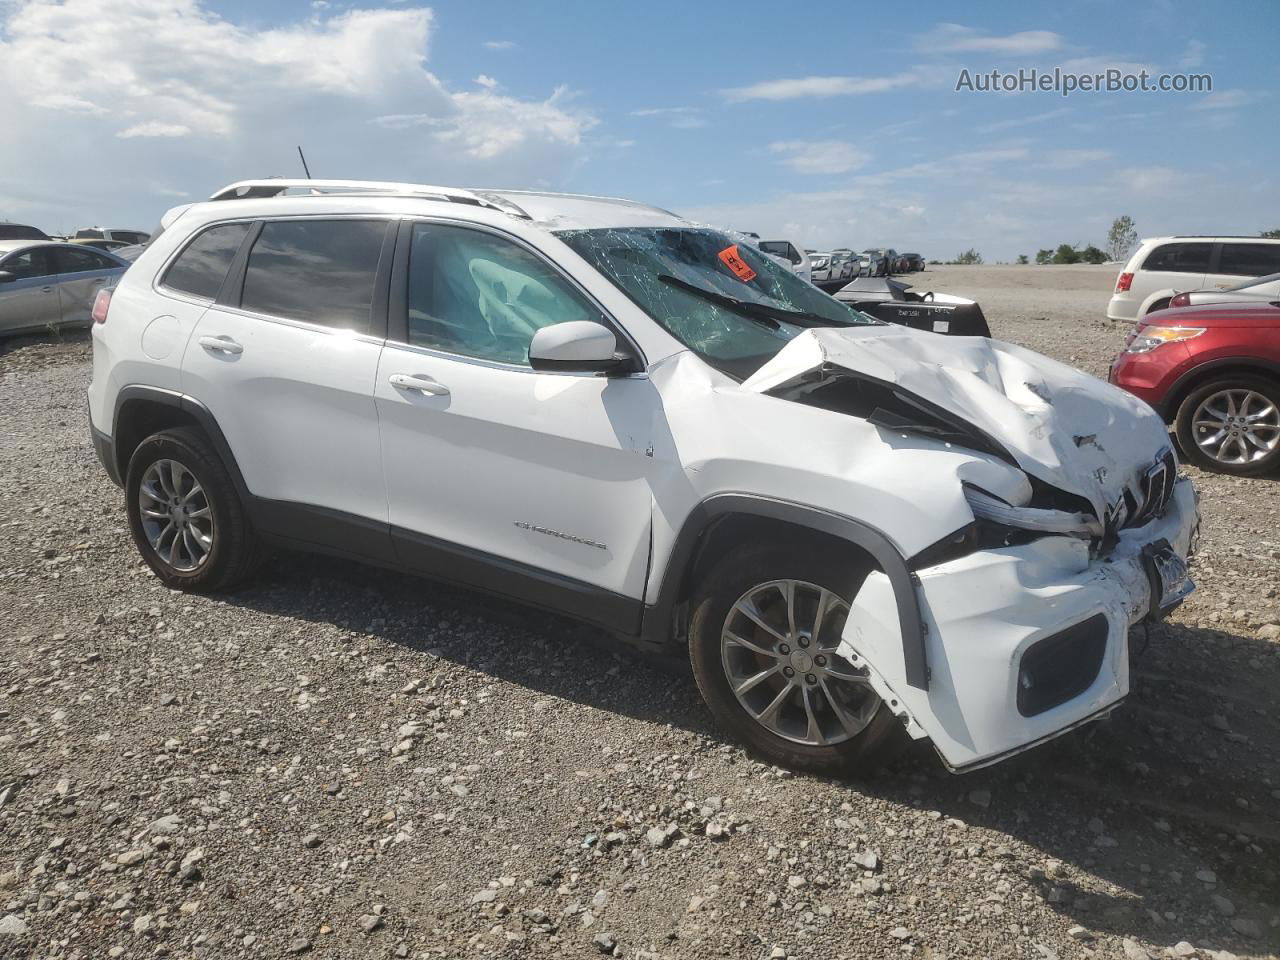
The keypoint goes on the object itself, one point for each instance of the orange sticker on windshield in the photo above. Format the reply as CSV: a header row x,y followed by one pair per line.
x,y
730,257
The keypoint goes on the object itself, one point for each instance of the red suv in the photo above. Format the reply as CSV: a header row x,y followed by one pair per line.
x,y
1214,373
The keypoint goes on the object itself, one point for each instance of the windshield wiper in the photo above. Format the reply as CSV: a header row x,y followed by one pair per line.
x,y
756,311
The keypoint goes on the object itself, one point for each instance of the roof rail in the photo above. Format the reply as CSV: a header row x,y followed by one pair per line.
x,y
274,187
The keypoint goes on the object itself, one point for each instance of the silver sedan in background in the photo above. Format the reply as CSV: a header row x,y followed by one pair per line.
x,y
46,285
1256,289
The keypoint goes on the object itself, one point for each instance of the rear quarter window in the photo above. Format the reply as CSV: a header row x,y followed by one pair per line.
x,y
1179,258
202,266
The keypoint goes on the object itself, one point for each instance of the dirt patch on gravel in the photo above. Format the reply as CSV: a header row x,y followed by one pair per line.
x,y
345,762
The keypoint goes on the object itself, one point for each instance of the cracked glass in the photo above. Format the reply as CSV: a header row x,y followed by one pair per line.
x,y
722,298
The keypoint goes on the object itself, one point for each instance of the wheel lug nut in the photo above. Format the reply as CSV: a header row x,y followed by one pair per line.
x,y
788,672
804,642
784,649
820,660
810,678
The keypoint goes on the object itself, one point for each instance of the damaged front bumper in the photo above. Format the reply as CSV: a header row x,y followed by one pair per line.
x,y
1022,643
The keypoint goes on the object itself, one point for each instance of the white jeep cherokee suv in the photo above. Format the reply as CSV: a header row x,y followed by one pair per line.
x,y
600,408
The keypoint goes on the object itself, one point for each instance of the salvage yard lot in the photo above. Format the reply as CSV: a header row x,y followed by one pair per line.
x,y
341,761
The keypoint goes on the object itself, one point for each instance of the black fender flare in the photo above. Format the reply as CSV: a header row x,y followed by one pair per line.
x,y
189,405
658,617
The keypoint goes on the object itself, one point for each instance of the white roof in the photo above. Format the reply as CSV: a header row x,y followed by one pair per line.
x,y
553,211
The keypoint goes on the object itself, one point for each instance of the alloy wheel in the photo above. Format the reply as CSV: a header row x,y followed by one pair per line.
x,y
1237,426
778,647
176,516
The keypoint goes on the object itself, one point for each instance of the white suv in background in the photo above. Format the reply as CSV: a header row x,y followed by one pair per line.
x,y
1164,266
594,406
788,251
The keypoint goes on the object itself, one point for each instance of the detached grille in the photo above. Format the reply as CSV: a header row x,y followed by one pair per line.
x,y
1155,490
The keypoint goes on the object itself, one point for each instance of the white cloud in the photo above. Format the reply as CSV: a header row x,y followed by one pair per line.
x,y
1023,121
682,118
499,44
819,156
954,38
1074,159
154,128
1193,56
794,88
1226,100
1153,181
88,83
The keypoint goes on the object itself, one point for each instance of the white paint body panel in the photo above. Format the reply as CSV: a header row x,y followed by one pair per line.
x,y
985,610
507,447
296,406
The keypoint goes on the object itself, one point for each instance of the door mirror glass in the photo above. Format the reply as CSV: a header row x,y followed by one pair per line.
x,y
7,276
576,345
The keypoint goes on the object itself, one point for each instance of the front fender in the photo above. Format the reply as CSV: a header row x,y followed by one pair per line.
x,y
899,580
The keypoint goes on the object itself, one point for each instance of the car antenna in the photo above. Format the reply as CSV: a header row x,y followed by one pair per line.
x,y
303,157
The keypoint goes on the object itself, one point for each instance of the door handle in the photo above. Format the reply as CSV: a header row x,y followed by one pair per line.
x,y
100,280
221,345
420,382
46,289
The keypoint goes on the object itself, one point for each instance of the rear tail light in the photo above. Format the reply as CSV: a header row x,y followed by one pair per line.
x,y
101,303
1124,282
1181,300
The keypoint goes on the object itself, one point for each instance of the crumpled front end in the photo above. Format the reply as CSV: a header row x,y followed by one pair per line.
x,y
1080,528
1021,643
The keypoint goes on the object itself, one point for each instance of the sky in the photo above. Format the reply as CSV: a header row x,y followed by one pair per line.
x,y
828,128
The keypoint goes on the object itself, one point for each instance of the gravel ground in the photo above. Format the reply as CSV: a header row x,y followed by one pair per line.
x,y
345,762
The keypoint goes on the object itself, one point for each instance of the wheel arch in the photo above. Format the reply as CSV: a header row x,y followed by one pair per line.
x,y
1198,376
1149,301
141,411
721,521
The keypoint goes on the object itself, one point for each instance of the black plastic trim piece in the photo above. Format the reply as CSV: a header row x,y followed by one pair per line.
x,y
657,622
475,569
106,454
232,288
1060,667
197,410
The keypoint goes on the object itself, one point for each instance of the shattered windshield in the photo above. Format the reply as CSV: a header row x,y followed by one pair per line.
x,y
726,301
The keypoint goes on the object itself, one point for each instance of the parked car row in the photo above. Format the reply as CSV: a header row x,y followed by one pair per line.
x,y
1164,267
1205,348
45,284
50,281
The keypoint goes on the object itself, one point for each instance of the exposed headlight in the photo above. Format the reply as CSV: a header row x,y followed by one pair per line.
x,y
987,507
1148,338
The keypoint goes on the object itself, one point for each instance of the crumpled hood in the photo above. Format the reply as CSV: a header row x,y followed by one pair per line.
x,y
1062,426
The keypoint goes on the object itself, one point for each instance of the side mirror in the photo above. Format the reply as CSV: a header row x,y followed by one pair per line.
x,y
7,276
577,346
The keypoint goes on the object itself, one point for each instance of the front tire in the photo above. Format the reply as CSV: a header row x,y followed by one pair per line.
x,y
1232,425
762,642
185,515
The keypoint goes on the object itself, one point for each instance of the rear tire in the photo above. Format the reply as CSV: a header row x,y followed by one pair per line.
x,y
855,731
185,515
1249,405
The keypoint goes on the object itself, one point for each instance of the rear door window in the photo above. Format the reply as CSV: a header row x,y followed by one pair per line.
x,y
1249,259
80,261
1179,258
202,266
320,271
28,264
